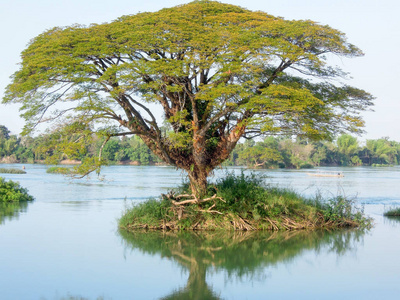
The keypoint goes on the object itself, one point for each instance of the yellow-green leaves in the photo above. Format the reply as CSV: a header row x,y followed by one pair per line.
x,y
217,71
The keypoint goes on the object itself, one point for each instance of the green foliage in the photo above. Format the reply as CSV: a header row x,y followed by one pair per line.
x,y
4,132
244,203
261,154
348,148
271,152
307,154
382,151
11,191
110,149
54,147
14,149
239,191
149,212
341,207
136,150
11,171
58,170
13,199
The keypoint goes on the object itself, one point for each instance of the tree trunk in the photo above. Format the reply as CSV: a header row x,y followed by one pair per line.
x,y
198,181
201,162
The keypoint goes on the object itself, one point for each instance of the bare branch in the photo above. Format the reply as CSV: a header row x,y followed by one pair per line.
x,y
102,146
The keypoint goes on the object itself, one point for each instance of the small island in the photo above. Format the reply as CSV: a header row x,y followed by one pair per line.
x,y
243,203
13,199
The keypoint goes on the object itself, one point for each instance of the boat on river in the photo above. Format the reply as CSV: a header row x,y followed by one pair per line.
x,y
326,174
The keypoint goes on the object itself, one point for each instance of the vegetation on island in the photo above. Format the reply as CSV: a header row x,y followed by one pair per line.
x,y
242,203
11,171
392,212
13,199
58,170
218,72
11,191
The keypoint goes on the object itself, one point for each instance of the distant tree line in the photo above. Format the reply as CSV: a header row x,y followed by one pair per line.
x,y
272,152
14,149
275,152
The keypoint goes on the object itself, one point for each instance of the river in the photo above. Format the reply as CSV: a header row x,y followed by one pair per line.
x,y
66,244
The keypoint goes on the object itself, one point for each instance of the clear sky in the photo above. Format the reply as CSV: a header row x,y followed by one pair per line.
x,y
372,25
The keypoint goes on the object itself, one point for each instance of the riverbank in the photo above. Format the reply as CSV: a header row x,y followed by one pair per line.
x,y
243,203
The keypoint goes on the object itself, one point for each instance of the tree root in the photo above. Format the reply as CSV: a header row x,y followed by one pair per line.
x,y
192,199
239,223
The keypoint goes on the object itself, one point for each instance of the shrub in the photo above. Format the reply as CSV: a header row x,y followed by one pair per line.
x,y
11,191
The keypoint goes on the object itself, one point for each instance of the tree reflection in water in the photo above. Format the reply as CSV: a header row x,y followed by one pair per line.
x,y
11,210
239,254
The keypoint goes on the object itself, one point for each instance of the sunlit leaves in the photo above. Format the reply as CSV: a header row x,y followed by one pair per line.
x,y
217,71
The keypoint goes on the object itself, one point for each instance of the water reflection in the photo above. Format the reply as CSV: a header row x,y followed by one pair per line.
x,y
11,210
239,254
392,220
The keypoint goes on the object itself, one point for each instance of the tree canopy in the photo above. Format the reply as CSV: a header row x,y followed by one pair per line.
x,y
217,71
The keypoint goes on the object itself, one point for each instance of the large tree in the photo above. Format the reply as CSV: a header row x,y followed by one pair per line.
x,y
219,72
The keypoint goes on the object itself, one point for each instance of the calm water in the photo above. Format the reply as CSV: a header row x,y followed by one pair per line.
x,y
66,245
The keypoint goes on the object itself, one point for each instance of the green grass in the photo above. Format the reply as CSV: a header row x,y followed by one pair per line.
x,y
392,212
11,171
381,165
58,170
11,191
244,203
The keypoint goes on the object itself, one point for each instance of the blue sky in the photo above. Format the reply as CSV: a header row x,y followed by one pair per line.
x,y
373,26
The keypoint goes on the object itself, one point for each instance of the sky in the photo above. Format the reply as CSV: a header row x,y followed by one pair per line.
x,y
371,25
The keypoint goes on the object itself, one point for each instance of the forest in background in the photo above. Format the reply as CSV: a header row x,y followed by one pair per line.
x,y
272,152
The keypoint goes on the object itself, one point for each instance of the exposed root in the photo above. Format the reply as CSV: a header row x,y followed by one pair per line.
x,y
239,223
211,211
273,223
192,198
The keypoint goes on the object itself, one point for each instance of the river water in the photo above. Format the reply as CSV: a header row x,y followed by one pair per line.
x,y
66,244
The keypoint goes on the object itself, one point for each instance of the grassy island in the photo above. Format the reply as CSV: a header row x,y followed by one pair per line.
x,y
58,170
392,212
11,171
242,203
